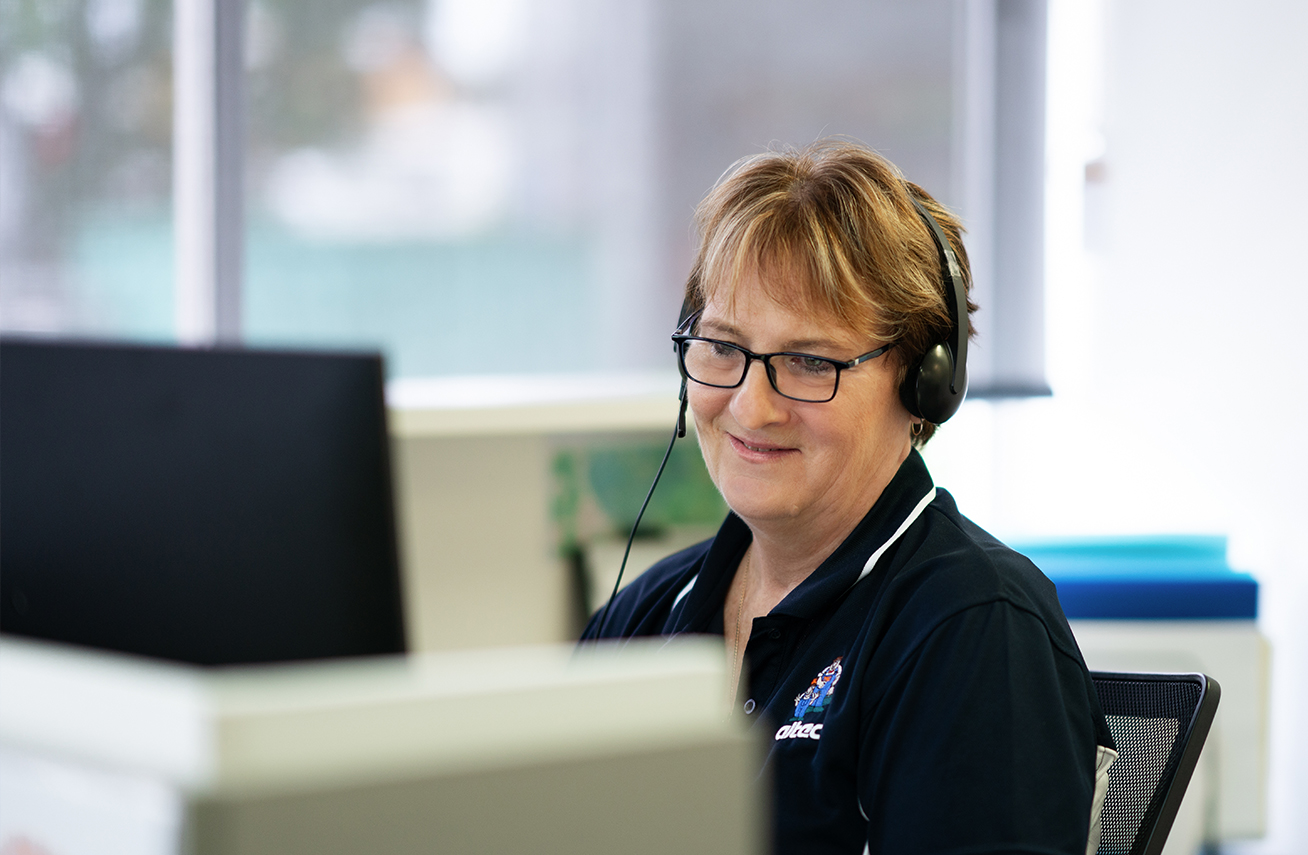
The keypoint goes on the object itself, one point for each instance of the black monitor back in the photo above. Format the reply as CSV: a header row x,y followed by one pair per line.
x,y
209,506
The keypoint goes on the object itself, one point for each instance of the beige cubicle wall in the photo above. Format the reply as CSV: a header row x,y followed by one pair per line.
x,y
519,749
472,459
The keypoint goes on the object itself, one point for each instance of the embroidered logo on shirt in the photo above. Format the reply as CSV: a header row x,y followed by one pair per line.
x,y
818,694
814,699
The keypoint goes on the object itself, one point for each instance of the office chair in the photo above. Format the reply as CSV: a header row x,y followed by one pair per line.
x,y
1160,722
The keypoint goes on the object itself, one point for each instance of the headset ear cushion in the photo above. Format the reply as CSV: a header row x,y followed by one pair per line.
x,y
908,389
926,389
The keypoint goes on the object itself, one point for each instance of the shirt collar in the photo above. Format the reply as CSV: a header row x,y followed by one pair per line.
x,y
902,499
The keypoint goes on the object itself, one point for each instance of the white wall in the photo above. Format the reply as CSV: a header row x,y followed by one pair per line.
x,y
1178,293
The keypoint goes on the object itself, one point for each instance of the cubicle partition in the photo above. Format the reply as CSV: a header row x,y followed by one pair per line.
x,y
527,749
485,510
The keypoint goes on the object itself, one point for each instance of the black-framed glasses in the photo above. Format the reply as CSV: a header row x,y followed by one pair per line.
x,y
797,376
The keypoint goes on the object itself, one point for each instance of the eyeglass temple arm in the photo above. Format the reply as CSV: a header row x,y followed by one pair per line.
x,y
867,357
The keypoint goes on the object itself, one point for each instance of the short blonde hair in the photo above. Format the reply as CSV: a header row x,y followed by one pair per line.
x,y
831,228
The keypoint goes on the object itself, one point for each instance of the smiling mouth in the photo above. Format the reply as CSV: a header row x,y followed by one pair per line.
x,y
758,449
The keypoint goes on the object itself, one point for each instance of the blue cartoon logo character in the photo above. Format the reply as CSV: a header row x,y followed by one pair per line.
x,y
818,693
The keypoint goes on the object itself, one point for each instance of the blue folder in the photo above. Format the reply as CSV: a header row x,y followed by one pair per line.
x,y
1156,577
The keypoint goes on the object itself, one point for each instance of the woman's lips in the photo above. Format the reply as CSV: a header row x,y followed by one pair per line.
x,y
754,450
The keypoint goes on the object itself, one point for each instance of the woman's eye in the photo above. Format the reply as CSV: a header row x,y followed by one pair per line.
x,y
811,366
722,350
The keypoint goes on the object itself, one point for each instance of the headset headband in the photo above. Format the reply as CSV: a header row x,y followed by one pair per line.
x,y
955,295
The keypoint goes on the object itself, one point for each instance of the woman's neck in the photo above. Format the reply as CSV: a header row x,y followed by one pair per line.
x,y
782,560
785,552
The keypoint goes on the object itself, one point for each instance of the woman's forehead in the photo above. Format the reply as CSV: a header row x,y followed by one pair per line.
x,y
782,284
787,319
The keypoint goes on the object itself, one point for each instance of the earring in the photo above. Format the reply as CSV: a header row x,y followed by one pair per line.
x,y
917,428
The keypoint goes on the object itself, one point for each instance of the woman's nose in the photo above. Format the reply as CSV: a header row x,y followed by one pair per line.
x,y
755,403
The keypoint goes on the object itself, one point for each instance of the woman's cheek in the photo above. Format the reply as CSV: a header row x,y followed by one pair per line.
x,y
710,448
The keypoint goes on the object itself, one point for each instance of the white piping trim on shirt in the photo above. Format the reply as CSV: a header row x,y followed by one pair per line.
x,y
903,527
871,562
685,590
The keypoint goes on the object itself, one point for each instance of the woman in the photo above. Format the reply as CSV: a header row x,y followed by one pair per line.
x,y
917,680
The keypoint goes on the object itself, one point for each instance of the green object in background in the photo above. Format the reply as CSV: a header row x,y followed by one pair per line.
x,y
566,504
620,477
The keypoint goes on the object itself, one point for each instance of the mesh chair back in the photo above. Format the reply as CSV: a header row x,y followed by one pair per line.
x,y
1159,722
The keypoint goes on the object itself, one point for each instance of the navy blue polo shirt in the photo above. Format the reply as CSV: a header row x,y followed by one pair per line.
x,y
919,692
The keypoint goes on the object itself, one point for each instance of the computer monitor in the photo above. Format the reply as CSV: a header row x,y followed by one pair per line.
x,y
215,506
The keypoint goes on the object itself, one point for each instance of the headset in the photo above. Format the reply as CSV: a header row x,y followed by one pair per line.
x,y
933,389
935,385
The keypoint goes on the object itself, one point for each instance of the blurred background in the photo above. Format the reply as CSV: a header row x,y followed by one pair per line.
x,y
473,186
438,178
504,187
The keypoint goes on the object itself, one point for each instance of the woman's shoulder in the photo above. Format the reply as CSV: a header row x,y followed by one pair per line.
x,y
952,564
668,575
645,604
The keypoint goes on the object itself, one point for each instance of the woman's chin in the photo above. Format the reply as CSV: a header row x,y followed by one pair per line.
x,y
761,506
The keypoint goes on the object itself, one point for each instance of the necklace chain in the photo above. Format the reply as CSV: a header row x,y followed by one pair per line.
x,y
737,664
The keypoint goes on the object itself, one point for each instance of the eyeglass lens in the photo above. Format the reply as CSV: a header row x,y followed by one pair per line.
x,y
804,378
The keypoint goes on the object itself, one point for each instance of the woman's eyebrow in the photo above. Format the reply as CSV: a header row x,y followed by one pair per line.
x,y
722,328
809,343
719,327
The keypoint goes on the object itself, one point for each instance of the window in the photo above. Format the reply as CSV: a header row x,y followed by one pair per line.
x,y
481,186
85,168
